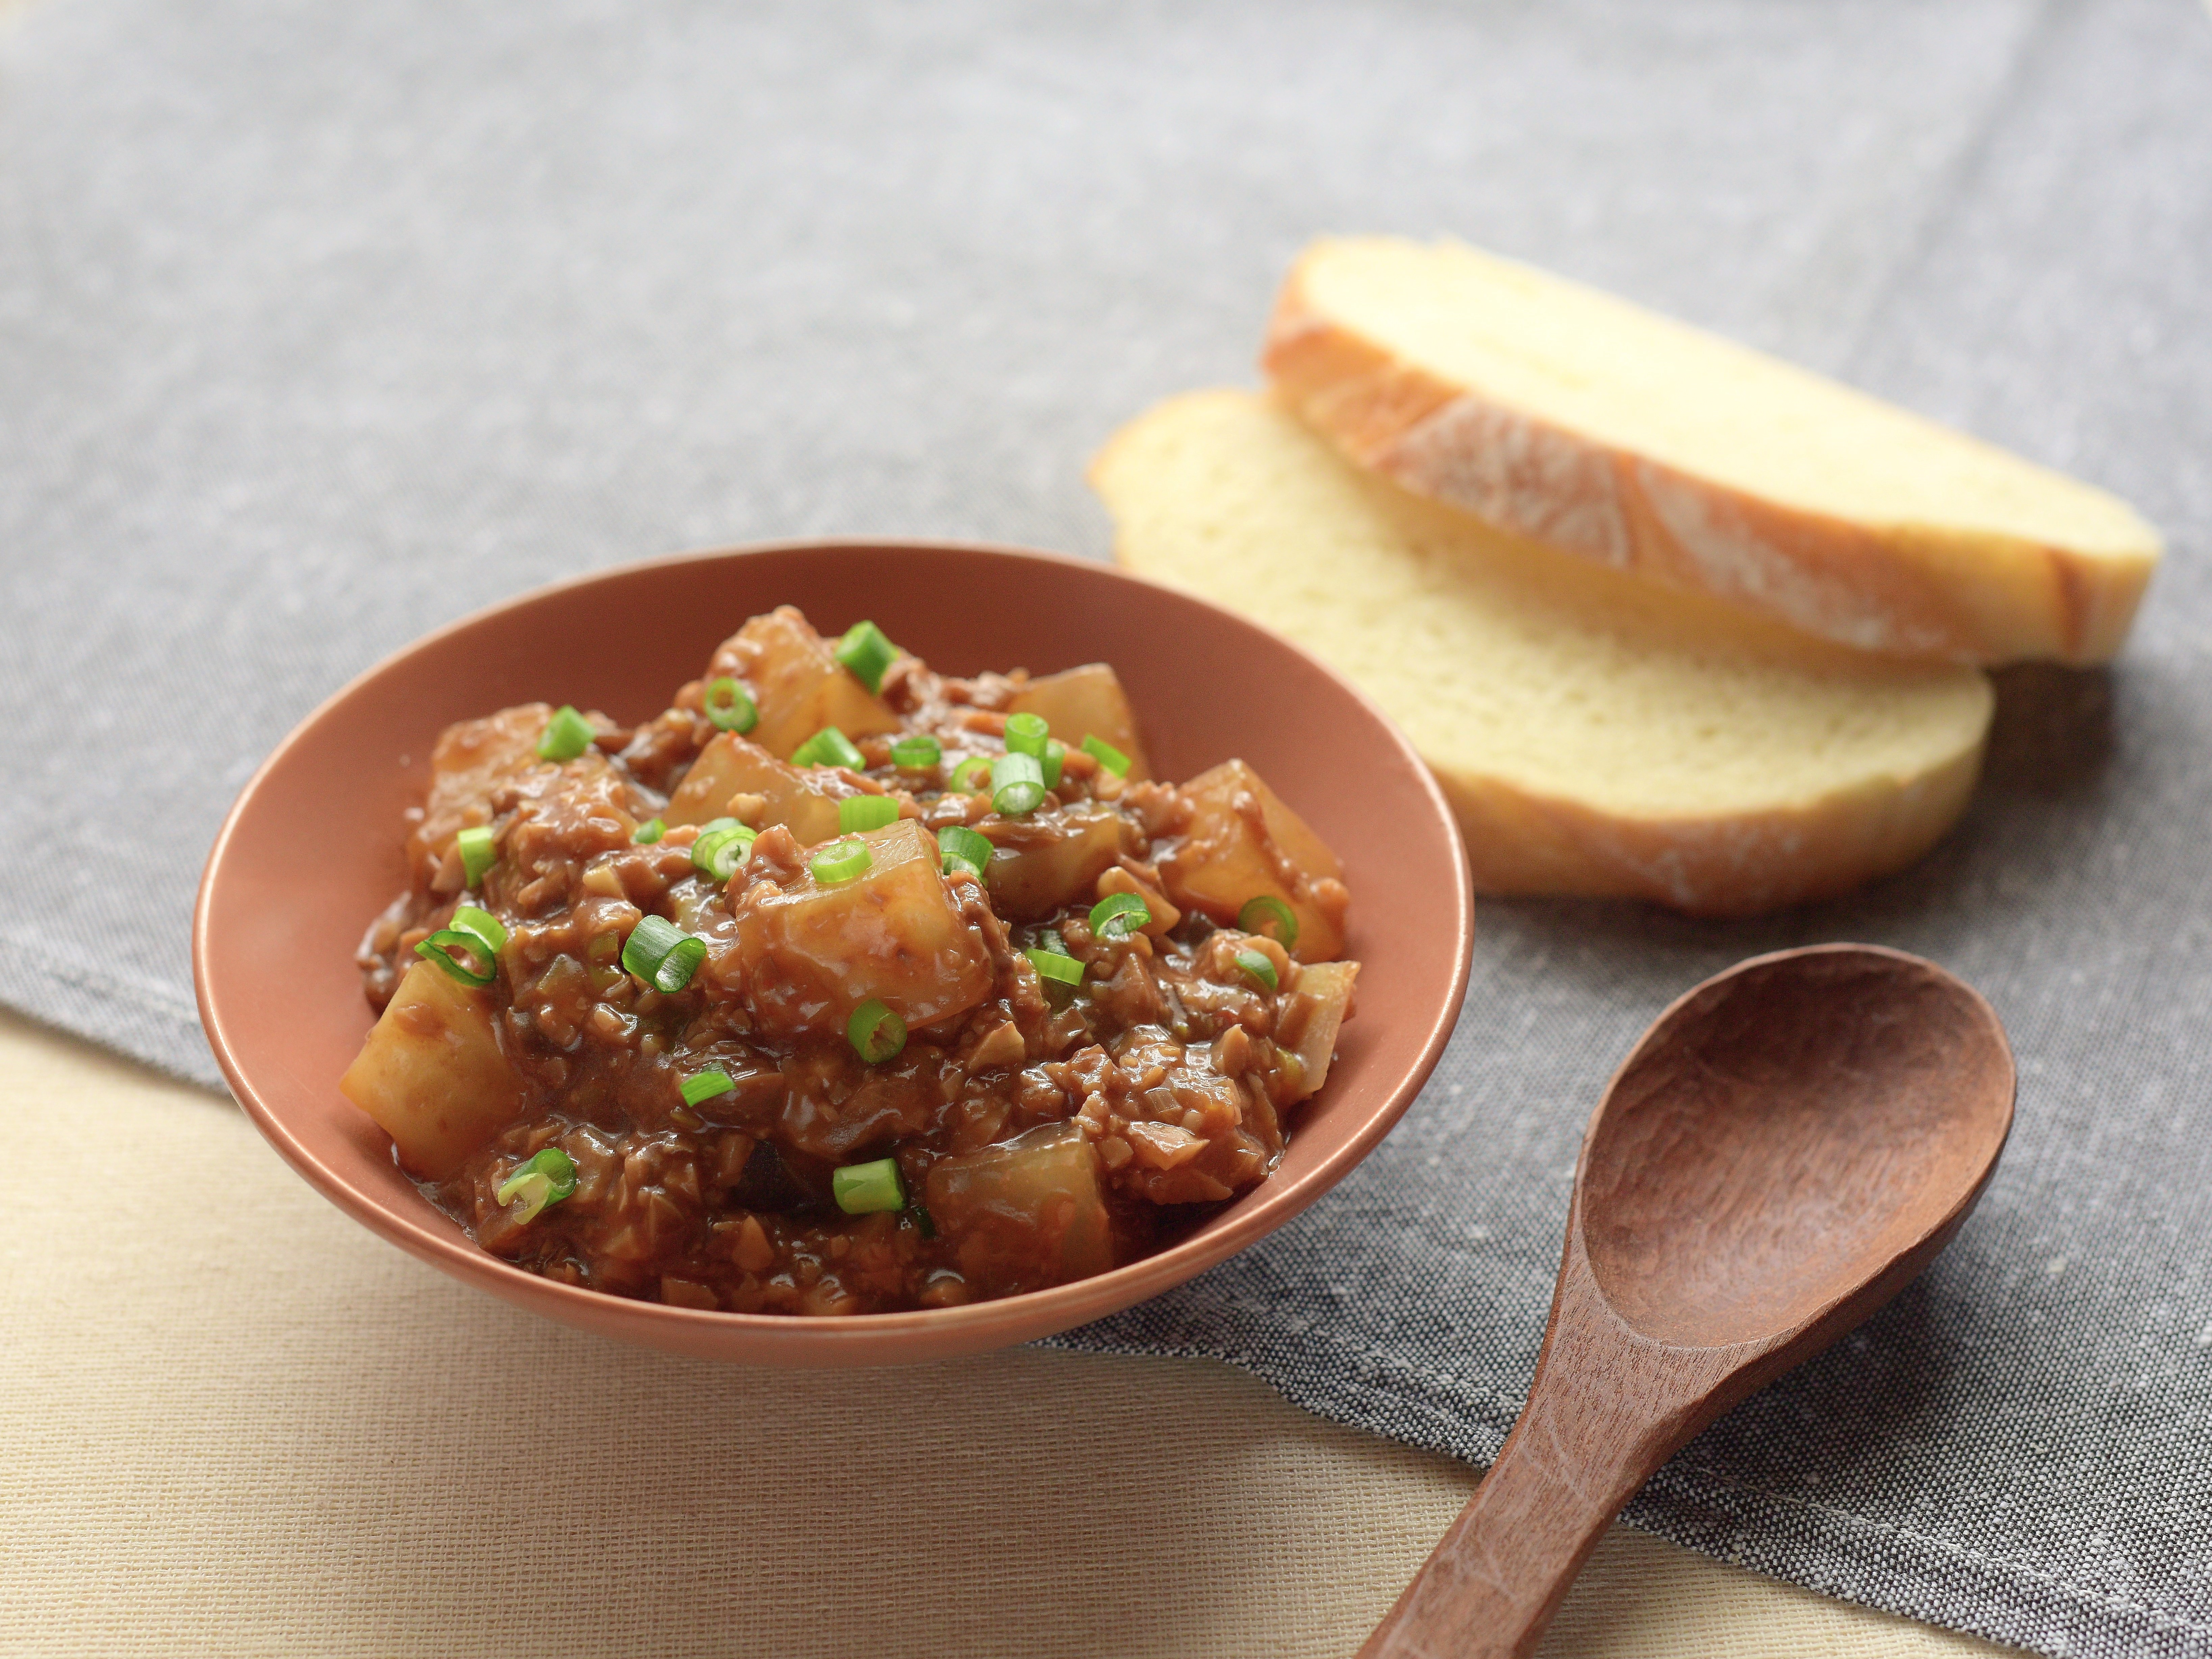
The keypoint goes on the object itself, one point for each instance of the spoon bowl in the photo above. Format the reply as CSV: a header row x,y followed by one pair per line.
x,y
1783,1135
1789,1144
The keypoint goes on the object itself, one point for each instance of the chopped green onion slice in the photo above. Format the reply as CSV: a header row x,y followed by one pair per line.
x,y
1017,784
1055,966
962,849
703,1087
538,1182
650,831
1061,974
974,773
730,706
481,923
476,932
876,1033
1268,914
827,747
723,845
1055,756
840,860
1118,914
566,736
530,1194
917,752
478,853
868,1189
865,650
1257,968
1106,756
866,812
1026,734
439,948
923,1220
662,954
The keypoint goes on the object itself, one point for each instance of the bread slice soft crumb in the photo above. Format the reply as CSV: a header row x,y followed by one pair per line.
x,y
1597,733
1600,428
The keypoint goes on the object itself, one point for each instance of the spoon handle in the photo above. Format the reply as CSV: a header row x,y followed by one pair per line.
x,y
1605,1411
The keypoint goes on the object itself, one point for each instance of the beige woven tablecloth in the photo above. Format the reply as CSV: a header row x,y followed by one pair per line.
x,y
232,1422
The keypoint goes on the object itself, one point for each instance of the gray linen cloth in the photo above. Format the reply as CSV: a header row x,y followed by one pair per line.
x,y
322,324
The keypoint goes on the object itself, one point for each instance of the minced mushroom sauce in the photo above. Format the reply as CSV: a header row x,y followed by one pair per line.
x,y
909,1085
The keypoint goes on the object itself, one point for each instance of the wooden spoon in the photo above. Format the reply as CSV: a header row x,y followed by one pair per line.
x,y
1789,1144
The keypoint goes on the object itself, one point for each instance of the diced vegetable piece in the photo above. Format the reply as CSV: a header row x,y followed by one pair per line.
x,y
731,765
1028,1211
1322,1003
432,1073
1244,842
1049,859
813,953
470,759
1164,1145
1084,703
797,682
691,906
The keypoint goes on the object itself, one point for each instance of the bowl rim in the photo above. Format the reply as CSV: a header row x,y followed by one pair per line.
x,y
803,1339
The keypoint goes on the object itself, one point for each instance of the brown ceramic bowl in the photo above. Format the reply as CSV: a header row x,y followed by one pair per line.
x,y
311,853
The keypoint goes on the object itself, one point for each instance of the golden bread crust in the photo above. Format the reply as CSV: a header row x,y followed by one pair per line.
x,y
1903,589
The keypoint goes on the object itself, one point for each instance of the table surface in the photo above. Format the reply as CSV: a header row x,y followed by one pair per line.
x,y
231,1421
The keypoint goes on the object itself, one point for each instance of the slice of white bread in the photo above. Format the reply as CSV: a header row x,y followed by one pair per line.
x,y
1597,733
1565,414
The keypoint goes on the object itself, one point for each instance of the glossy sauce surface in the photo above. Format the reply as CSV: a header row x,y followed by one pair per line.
x,y
1039,1136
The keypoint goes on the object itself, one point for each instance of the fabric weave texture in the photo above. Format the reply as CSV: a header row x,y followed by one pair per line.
x,y
320,326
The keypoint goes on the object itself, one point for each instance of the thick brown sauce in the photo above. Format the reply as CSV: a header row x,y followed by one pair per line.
x,y
1156,1092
